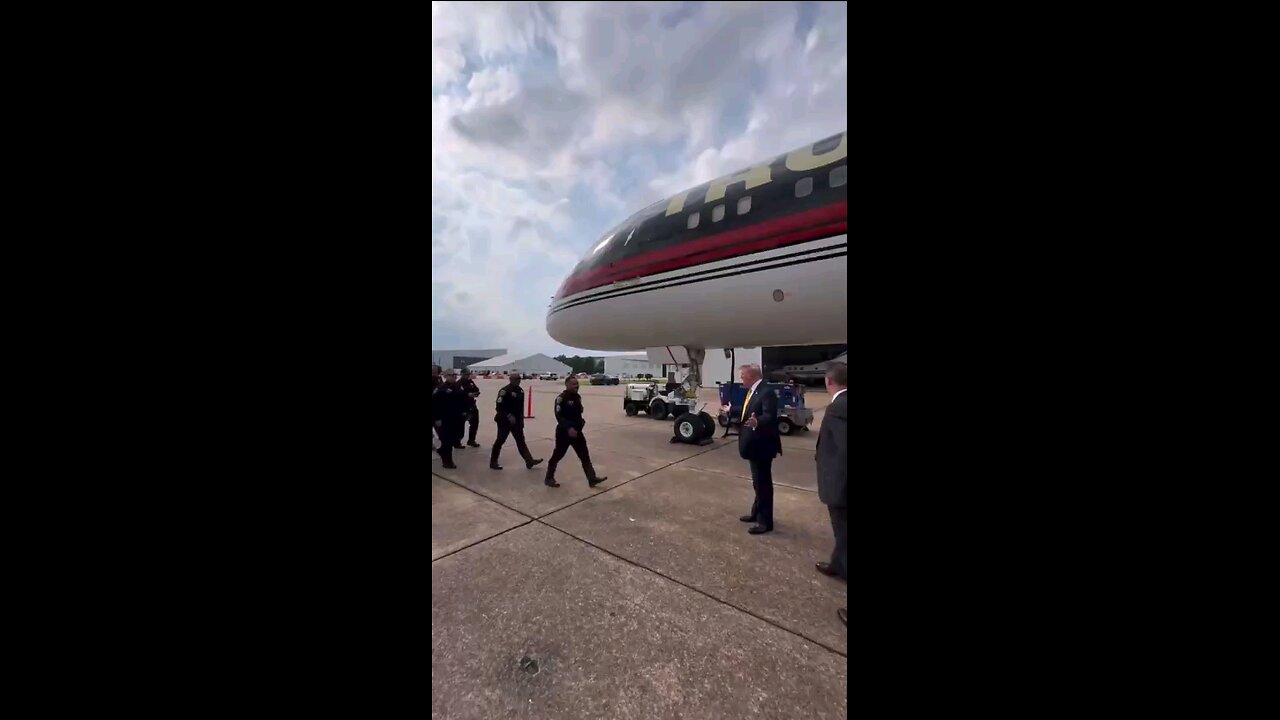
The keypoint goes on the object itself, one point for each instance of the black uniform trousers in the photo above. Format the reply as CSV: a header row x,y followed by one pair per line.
x,y
515,431
762,481
473,417
579,445
450,433
445,437
840,526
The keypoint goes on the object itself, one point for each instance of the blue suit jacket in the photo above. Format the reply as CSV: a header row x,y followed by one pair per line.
x,y
762,443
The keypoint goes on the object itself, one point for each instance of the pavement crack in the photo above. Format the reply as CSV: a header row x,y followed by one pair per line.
x,y
540,520
615,487
704,593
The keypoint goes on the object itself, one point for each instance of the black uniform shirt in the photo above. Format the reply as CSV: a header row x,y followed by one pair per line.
x,y
569,411
469,386
510,402
447,402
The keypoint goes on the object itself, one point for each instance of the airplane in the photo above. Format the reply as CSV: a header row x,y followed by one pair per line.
x,y
807,373
755,258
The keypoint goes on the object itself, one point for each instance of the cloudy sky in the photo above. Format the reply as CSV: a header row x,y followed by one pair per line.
x,y
552,122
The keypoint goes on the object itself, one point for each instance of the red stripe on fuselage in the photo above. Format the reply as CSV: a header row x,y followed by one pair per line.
x,y
820,222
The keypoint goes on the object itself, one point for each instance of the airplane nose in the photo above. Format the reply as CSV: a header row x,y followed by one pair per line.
x,y
557,328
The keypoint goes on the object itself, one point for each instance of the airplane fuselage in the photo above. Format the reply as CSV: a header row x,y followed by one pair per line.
x,y
752,259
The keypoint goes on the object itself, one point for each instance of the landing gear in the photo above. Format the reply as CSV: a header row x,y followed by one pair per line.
x,y
693,427
688,428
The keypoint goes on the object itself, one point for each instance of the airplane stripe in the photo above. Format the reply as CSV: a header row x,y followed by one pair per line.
x,y
820,222
663,282
790,249
708,276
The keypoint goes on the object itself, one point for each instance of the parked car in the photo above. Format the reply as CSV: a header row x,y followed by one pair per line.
x,y
602,379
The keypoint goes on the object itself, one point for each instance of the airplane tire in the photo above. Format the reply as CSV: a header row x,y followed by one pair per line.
x,y
708,425
688,428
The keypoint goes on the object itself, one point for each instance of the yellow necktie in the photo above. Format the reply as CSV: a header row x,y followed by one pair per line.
x,y
747,404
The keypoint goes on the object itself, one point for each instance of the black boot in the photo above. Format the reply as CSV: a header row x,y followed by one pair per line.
x,y
531,464
551,482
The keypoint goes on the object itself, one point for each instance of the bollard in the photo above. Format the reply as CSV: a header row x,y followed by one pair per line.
x,y
528,415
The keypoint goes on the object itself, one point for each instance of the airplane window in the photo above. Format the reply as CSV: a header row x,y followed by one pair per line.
x,y
693,220
804,187
839,176
717,213
744,205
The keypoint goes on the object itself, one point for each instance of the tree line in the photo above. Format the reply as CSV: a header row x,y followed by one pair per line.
x,y
580,364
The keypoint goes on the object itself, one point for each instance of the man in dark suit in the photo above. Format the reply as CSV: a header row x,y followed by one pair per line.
x,y
833,472
758,444
833,468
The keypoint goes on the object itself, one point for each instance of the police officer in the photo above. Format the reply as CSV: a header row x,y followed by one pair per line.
x,y
435,383
448,405
472,391
569,424
510,420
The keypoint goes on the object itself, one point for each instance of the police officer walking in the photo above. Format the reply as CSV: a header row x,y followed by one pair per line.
x,y
435,383
510,421
569,424
457,417
448,405
471,391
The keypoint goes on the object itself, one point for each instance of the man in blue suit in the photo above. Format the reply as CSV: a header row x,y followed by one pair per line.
x,y
758,444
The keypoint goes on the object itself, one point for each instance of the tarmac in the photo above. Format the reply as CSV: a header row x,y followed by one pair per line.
x,y
644,597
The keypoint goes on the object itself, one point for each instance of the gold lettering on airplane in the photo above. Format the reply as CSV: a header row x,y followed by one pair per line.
x,y
677,204
751,177
803,160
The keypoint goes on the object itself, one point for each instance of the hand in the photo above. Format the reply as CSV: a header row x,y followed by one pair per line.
x,y
725,409
573,433
751,421
439,424
511,419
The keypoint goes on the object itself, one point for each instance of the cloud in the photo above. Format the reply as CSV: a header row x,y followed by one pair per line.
x,y
552,122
